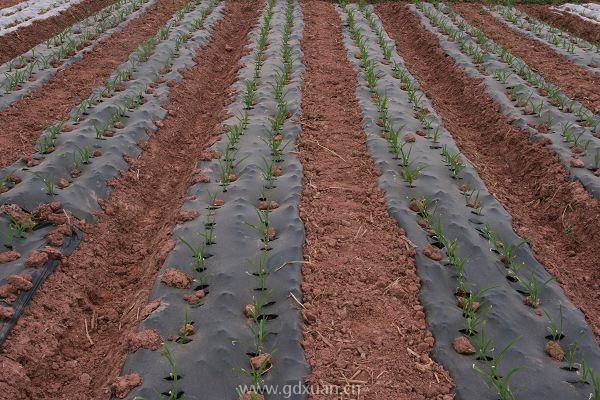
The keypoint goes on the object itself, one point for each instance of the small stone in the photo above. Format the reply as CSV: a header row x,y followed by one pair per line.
x,y
462,345
228,48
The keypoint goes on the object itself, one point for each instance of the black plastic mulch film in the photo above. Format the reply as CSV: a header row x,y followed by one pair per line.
x,y
507,318
81,197
214,362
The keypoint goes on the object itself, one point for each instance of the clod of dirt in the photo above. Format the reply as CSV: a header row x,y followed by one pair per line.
x,y
124,384
432,252
195,298
271,233
531,303
55,239
62,183
410,138
188,215
261,362
147,339
53,253
18,215
176,278
201,179
36,259
577,163
20,282
554,350
268,205
416,205
6,313
8,256
462,303
187,330
149,309
249,311
462,345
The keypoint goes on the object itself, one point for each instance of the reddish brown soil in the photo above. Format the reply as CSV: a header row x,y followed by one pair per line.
x,y
565,21
9,3
23,39
360,285
557,215
108,278
575,81
24,121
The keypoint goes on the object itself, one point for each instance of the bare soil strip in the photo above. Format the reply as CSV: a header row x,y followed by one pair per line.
x,y
23,122
574,81
23,39
360,285
105,283
559,217
565,21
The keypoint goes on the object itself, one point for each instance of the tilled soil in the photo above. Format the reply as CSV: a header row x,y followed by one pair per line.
x,y
556,214
23,39
24,121
364,324
575,81
48,355
563,20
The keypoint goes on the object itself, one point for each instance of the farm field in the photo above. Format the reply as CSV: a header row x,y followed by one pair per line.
x,y
299,199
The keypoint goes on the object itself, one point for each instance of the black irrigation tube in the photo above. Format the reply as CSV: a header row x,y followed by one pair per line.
x,y
516,88
462,220
38,65
81,197
215,362
574,49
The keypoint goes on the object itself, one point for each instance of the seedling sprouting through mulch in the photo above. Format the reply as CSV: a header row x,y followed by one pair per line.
x,y
492,373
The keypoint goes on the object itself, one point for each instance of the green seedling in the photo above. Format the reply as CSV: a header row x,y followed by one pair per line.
x,y
48,184
534,289
555,328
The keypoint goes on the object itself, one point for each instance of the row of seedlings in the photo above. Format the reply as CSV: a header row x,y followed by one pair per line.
x,y
29,71
258,220
564,125
76,157
485,326
25,13
266,313
75,176
577,50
